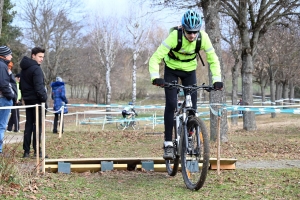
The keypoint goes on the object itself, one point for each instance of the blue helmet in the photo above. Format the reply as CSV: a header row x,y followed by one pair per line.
x,y
130,103
191,21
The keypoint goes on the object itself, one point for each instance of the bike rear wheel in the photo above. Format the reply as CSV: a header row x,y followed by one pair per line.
x,y
172,165
195,158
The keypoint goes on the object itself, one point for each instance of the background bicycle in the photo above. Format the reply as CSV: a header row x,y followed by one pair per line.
x,y
128,120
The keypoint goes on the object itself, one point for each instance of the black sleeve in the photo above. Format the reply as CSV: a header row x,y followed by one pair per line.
x,y
5,86
39,85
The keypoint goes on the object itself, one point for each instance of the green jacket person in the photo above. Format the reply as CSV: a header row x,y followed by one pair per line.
x,y
182,64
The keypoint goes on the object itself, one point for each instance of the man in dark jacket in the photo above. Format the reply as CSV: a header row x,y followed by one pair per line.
x,y
7,93
32,86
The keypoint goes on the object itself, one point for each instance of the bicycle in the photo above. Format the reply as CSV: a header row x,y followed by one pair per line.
x,y
128,122
193,150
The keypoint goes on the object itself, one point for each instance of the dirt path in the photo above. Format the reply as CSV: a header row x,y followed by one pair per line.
x,y
13,138
272,164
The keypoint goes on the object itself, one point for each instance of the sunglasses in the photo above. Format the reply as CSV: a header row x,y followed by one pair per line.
x,y
191,32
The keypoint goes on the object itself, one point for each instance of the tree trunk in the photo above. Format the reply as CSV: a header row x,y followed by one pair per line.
x,y
1,14
134,79
249,122
285,92
272,92
235,76
292,92
211,16
108,86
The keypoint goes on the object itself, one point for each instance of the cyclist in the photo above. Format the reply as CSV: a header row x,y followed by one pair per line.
x,y
128,111
182,65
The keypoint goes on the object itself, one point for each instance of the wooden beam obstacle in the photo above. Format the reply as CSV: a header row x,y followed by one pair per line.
x,y
94,164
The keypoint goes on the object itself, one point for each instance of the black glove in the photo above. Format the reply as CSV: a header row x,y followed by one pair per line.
x,y
218,85
158,82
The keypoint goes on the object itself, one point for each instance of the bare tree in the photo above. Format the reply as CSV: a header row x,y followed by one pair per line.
x,y
104,40
48,25
138,25
231,37
253,19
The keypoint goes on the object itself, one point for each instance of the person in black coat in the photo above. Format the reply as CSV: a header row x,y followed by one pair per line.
x,y
7,89
32,86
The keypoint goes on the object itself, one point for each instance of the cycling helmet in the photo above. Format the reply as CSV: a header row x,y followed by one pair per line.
x,y
191,21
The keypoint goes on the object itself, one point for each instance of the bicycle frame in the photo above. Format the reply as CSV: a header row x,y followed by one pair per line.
x,y
189,148
185,108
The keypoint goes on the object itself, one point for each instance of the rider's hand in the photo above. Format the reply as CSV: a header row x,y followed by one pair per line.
x,y
218,85
158,82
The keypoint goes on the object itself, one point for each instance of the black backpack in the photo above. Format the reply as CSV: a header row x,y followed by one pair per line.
x,y
179,44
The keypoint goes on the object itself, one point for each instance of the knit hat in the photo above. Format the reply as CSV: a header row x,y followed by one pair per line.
x,y
18,75
5,51
58,79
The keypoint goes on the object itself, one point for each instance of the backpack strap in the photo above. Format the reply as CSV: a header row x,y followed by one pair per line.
x,y
179,44
198,46
179,39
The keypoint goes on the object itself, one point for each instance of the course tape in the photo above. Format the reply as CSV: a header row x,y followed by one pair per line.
x,y
218,112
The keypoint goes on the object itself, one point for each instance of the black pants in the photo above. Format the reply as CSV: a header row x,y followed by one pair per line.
x,y
187,78
56,115
14,120
30,129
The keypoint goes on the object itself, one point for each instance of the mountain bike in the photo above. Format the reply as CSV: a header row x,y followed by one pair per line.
x,y
192,150
130,122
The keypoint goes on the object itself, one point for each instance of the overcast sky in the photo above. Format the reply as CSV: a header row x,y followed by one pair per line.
x,y
120,7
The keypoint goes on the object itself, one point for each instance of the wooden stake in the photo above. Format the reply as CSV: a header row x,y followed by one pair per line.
x,y
218,143
43,137
37,139
61,122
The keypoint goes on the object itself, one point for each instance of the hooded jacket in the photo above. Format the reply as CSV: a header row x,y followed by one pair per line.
x,y
32,82
59,96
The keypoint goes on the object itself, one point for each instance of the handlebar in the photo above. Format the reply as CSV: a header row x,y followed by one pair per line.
x,y
194,87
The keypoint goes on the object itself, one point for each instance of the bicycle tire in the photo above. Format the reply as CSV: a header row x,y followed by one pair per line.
x,y
193,175
173,165
120,125
135,125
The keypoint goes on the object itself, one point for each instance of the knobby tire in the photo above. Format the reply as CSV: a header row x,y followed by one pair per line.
x,y
194,179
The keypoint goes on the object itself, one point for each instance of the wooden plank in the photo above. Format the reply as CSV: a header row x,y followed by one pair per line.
x,y
84,167
93,164
223,166
156,160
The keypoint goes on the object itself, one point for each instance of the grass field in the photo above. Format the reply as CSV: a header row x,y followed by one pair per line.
x,y
275,139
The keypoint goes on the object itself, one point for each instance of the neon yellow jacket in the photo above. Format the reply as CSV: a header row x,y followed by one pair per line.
x,y
187,47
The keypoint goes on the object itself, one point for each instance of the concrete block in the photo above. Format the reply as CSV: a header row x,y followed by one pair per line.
x,y
107,165
64,167
148,165
192,166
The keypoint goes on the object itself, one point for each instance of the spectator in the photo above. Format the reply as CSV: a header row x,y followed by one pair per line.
x,y
8,92
15,113
128,111
32,86
59,97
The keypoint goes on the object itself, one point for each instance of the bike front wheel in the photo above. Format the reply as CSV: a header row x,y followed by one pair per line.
x,y
195,155
134,125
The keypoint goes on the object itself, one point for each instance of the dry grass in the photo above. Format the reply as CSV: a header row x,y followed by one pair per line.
x,y
275,139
